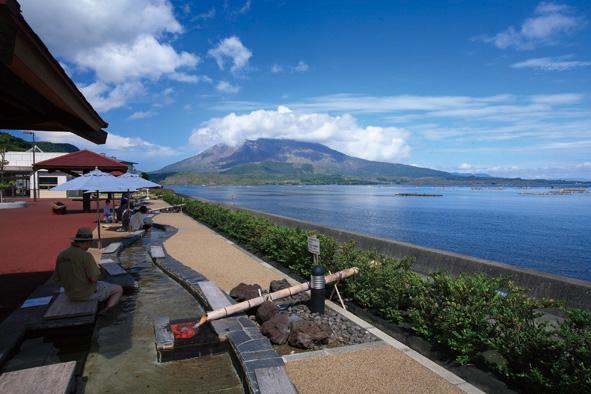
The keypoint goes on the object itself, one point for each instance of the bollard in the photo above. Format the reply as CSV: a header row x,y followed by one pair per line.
x,y
317,289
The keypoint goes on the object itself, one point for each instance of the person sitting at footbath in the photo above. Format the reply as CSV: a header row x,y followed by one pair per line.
x,y
107,213
140,221
77,271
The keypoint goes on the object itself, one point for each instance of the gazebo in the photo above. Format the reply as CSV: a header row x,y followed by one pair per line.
x,y
81,162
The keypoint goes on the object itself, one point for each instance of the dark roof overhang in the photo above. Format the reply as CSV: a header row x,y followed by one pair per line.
x,y
35,91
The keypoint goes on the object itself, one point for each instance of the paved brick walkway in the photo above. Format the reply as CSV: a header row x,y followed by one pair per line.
x,y
31,237
384,370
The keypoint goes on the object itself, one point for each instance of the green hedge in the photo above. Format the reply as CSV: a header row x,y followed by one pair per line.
x,y
477,318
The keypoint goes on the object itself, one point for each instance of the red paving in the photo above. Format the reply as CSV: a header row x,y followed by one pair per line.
x,y
31,237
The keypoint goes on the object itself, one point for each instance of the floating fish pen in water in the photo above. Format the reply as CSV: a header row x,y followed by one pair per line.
x,y
417,195
561,192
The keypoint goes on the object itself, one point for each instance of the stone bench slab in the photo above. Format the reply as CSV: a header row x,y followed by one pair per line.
x,y
63,308
111,248
157,252
113,269
50,379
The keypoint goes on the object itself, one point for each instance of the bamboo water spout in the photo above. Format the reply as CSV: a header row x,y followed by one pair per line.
x,y
245,305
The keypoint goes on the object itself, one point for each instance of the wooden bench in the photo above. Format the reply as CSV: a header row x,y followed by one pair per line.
x,y
62,308
49,379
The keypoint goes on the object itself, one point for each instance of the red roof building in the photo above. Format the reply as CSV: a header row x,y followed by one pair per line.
x,y
83,160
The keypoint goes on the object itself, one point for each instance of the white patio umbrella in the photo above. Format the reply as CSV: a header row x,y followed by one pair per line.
x,y
138,182
96,181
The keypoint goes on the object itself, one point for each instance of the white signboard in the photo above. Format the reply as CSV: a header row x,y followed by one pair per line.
x,y
314,245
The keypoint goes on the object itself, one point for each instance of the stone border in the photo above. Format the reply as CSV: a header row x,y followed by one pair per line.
x,y
575,293
335,350
251,352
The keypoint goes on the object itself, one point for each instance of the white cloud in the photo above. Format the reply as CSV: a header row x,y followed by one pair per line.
x,y
301,67
339,132
276,69
569,171
245,8
115,145
227,87
104,97
122,41
145,57
231,50
550,23
142,115
551,64
206,15
557,99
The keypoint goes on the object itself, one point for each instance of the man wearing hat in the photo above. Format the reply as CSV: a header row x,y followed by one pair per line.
x,y
78,273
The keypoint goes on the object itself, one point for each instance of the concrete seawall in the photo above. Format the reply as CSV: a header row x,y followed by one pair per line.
x,y
573,292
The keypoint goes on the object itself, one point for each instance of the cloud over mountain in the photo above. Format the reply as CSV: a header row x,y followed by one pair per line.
x,y
339,132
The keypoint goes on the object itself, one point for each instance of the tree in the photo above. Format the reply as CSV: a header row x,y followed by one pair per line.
x,y
145,175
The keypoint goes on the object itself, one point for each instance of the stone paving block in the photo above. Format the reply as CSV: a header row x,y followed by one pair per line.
x,y
238,338
253,345
216,298
245,322
260,355
266,363
223,327
274,380
111,248
157,252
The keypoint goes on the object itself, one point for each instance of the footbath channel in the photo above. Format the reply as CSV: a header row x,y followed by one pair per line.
x,y
122,356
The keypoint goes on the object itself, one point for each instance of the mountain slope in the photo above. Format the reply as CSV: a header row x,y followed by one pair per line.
x,y
291,158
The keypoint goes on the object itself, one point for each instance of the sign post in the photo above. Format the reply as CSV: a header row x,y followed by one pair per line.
x,y
314,248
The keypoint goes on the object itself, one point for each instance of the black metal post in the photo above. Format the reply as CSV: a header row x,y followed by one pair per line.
x,y
317,289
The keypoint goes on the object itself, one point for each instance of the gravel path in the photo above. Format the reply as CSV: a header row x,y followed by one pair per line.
x,y
379,370
202,249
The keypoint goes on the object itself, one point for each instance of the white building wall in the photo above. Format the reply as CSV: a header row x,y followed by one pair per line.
x,y
23,161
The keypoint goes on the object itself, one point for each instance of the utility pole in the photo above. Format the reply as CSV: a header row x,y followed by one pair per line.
x,y
33,166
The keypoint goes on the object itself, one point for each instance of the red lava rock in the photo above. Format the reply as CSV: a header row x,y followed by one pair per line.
x,y
244,292
307,334
266,311
276,328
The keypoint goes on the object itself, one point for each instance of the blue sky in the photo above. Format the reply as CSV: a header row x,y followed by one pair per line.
x,y
477,86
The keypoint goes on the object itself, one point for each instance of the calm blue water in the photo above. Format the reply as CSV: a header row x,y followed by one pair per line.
x,y
546,233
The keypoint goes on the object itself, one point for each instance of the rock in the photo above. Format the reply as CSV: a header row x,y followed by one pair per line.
x,y
277,285
494,359
266,311
293,318
276,328
244,292
306,334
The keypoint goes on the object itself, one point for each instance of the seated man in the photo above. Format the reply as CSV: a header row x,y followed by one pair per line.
x,y
139,220
78,273
107,213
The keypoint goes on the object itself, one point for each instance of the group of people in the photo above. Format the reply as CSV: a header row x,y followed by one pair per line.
x,y
76,269
131,219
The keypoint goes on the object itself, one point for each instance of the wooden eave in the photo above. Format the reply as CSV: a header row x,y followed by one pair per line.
x,y
35,91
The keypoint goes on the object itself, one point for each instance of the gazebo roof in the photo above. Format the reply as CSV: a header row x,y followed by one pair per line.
x,y
83,160
35,92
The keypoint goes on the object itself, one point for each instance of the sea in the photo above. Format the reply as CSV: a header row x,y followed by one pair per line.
x,y
518,226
